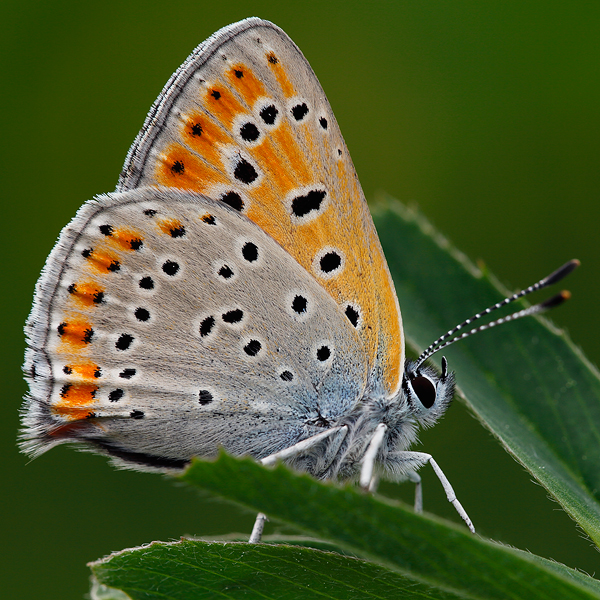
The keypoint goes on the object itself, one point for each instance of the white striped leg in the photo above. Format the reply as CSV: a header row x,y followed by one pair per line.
x,y
367,480
427,458
300,446
257,530
261,518
373,484
416,479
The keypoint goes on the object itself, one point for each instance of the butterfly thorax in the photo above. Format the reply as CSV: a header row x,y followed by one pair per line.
x,y
422,400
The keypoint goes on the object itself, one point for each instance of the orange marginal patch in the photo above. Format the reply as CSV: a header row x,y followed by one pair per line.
x,y
74,334
101,261
125,239
71,413
391,324
358,264
178,167
86,294
76,395
282,78
244,81
203,136
85,371
222,105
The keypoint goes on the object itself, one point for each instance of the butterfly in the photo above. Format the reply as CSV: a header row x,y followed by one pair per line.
x,y
232,292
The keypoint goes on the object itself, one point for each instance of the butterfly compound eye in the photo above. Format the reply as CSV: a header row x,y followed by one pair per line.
x,y
424,390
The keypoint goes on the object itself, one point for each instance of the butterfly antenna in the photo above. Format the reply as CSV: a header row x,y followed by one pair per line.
x,y
450,337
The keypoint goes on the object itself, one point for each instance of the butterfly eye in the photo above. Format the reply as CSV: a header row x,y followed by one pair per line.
x,y
424,390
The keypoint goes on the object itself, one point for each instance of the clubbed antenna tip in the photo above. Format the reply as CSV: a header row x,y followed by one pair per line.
x,y
451,336
561,273
555,300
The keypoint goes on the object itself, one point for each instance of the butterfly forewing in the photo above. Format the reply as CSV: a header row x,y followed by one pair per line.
x,y
246,122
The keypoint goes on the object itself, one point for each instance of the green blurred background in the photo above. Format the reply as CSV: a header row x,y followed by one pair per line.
x,y
484,114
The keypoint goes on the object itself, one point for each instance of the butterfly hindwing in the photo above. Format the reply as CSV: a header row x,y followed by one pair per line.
x,y
146,345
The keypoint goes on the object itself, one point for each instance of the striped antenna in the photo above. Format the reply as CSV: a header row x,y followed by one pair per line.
x,y
450,337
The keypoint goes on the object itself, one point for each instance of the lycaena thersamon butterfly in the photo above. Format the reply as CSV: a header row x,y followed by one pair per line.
x,y
232,291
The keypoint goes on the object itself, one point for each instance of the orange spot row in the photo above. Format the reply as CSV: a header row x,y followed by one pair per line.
x,y
76,395
203,136
72,413
125,239
85,371
87,294
104,262
169,225
74,334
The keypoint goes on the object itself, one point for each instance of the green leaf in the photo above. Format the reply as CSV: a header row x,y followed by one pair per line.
x,y
526,381
410,556
425,550
192,569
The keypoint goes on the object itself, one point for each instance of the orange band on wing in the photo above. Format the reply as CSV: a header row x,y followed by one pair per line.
x,y
180,168
222,105
245,83
295,156
282,78
279,174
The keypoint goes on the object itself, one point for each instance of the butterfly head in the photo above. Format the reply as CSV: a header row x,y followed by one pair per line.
x,y
428,393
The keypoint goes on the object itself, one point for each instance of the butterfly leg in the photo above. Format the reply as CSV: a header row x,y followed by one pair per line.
x,y
423,458
261,518
373,484
257,530
367,480
300,446
416,479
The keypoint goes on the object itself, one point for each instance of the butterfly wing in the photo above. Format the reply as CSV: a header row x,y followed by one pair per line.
x,y
246,122
151,351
